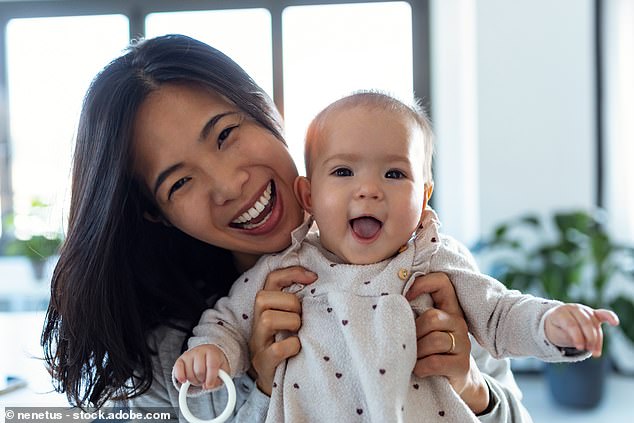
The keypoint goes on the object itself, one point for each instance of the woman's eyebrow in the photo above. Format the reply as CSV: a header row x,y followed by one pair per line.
x,y
163,176
211,123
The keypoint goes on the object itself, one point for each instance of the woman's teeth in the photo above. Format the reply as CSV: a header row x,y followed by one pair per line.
x,y
255,210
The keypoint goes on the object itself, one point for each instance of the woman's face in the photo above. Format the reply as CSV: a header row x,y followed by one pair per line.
x,y
214,172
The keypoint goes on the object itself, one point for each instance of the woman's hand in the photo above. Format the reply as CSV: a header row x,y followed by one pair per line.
x,y
444,348
276,311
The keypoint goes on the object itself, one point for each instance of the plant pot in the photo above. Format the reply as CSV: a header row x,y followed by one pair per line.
x,y
580,384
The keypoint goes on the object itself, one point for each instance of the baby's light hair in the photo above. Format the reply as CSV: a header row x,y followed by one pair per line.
x,y
379,100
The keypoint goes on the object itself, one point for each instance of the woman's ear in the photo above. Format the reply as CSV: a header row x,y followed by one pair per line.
x,y
301,186
155,218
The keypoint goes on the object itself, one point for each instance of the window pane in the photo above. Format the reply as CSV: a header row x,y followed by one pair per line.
x,y
51,62
242,34
333,50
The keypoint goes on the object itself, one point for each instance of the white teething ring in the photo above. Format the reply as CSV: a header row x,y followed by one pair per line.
x,y
231,401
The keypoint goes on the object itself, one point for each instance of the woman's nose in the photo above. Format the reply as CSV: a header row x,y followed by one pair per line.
x,y
226,184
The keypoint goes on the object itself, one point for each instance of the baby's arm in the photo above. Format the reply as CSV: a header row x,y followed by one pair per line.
x,y
578,326
505,322
200,366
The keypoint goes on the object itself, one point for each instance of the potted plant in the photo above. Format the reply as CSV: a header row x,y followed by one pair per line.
x,y
572,258
38,249
35,242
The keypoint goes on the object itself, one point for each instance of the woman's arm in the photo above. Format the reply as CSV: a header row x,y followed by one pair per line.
x,y
491,396
505,404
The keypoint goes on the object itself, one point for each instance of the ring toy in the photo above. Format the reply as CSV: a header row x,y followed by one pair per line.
x,y
231,401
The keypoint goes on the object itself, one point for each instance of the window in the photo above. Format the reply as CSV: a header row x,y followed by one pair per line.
x,y
304,56
50,63
332,50
224,30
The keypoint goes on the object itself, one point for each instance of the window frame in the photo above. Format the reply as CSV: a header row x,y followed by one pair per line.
x,y
137,10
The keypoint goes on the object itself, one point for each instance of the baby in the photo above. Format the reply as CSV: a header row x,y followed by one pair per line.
x,y
368,160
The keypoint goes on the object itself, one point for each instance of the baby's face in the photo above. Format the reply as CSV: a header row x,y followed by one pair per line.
x,y
367,184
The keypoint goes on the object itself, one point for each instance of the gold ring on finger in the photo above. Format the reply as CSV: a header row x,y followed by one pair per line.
x,y
453,342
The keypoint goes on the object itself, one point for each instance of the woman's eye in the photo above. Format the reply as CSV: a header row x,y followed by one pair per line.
x,y
342,171
394,174
224,134
178,185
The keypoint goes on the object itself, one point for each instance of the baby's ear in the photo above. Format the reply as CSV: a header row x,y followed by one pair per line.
x,y
429,188
301,186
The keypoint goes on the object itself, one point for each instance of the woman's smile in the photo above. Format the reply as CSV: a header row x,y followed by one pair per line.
x,y
262,215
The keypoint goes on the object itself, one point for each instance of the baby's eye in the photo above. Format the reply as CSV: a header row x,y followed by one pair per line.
x,y
177,185
394,174
342,171
224,134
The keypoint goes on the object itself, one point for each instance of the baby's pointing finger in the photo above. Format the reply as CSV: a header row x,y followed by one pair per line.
x,y
607,316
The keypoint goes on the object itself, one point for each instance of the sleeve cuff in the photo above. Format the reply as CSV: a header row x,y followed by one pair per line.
x,y
494,400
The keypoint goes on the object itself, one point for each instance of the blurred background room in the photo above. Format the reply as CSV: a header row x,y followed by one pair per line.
x,y
529,101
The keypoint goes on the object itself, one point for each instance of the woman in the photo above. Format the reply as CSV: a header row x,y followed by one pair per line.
x,y
176,147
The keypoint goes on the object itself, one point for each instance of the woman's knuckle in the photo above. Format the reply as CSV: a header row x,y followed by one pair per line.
x,y
260,299
278,351
266,321
296,323
433,316
293,345
442,277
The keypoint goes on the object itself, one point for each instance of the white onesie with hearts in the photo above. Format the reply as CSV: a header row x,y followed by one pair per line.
x,y
358,339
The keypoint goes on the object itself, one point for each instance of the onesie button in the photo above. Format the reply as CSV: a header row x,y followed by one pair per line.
x,y
403,274
403,248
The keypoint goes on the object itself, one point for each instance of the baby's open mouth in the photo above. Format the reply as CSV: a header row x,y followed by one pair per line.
x,y
259,212
365,227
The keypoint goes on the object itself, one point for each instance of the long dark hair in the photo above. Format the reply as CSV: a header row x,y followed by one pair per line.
x,y
119,275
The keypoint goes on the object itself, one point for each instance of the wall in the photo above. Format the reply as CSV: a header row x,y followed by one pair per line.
x,y
533,109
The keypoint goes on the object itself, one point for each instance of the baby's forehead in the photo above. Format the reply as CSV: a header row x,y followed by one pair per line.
x,y
365,129
369,115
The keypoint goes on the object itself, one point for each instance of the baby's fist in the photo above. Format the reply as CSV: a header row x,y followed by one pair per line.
x,y
200,366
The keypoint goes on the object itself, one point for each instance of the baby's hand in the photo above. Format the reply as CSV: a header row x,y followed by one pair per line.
x,y
200,366
579,326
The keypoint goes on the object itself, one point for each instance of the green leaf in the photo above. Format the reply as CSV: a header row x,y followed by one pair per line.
x,y
530,220
500,231
624,308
